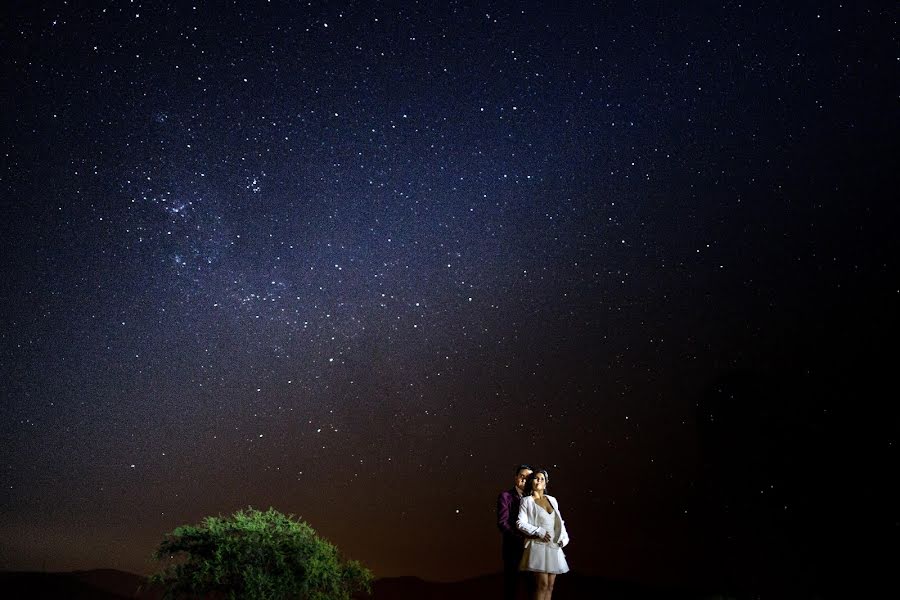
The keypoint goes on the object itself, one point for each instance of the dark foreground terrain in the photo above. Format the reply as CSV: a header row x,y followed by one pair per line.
x,y
107,584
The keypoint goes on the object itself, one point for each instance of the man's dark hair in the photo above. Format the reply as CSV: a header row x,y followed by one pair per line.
x,y
523,466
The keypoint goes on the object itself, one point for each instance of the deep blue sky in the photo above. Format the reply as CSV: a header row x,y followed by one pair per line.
x,y
358,260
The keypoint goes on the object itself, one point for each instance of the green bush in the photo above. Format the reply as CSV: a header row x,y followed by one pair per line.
x,y
255,555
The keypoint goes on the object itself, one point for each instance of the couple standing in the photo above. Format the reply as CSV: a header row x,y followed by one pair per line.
x,y
533,533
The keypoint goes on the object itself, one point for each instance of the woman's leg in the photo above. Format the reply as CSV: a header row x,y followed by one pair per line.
x,y
540,586
551,579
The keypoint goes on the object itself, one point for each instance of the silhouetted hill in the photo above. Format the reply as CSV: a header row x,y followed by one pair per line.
x,y
100,584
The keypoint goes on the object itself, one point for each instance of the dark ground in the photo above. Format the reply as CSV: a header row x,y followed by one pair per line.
x,y
115,585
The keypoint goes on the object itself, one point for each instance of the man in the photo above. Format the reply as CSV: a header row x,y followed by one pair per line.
x,y
513,540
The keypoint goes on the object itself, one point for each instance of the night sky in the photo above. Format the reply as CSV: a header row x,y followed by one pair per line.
x,y
356,261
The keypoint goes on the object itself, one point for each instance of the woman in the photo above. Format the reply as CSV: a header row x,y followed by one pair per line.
x,y
539,519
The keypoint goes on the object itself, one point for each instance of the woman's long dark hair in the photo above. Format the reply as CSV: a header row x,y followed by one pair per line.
x,y
530,481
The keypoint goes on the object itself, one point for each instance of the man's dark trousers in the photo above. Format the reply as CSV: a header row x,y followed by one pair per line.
x,y
513,542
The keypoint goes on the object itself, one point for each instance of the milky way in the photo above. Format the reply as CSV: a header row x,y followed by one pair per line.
x,y
356,261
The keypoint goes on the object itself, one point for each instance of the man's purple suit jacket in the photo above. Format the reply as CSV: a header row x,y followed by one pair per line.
x,y
507,514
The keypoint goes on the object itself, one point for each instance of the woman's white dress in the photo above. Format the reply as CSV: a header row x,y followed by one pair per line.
x,y
545,557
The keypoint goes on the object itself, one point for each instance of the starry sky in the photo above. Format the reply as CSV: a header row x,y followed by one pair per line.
x,y
357,260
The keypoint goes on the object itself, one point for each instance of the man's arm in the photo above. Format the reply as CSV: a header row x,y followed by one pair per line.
x,y
504,500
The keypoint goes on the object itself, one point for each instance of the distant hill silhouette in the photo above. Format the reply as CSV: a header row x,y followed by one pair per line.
x,y
100,584
109,584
